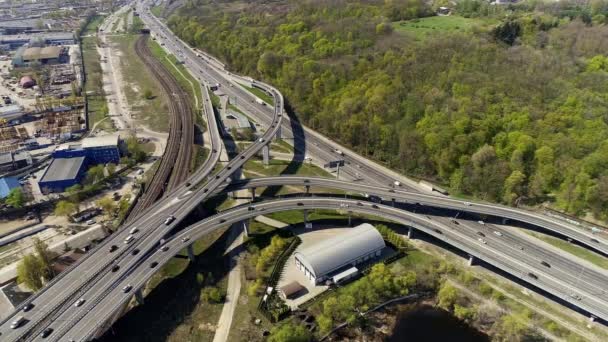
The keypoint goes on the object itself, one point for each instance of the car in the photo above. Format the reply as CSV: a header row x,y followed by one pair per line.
x,y
300,204
251,208
467,204
186,239
134,230
594,240
154,264
497,233
28,307
532,275
91,222
169,219
115,268
546,264
374,206
438,231
222,221
127,288
112,248
261,140
129,238
135,252
481,234
79,302
360,204
521,248
17,322
397,183
164,248
391,190
481,222
46,332
455,222
482,241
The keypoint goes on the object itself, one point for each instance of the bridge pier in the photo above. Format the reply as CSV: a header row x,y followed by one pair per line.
x,y
393,202
277,136
504,220
252,194
266,154
350,216
471,260
139,297
410,233
307,189
242,225
305,216
190,252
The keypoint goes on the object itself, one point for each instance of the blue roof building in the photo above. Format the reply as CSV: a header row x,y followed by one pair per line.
x,y
62,174
7,184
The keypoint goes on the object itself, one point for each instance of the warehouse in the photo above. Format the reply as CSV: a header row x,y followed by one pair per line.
x,y
62,173
7,184
97,150
45,55
335,259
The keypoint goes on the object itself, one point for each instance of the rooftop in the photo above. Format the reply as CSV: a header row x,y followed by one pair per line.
x,y
101,141
39,35
7,184
42,53
62,169
333,253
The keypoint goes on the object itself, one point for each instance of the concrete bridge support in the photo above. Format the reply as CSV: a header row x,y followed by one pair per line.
x,y
252,194
139,297
244,225
471,260
307,189
277,136
305,216
190,252
505,220
350,219
410,233
393,202
266,154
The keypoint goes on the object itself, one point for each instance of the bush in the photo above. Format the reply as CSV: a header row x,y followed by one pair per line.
x,y
212,295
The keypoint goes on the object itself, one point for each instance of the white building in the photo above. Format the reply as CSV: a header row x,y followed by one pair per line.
x,y
337,258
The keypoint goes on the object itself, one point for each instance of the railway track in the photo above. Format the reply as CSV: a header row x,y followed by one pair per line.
x,y
175,163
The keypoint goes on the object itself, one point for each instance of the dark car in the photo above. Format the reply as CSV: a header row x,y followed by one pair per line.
x,y
300,204
113,248
438,231
374,206
251,208
594,240
115,268
154,264
28,307
164,248
481,234
455,222
135,252
46,332
532,275
544,263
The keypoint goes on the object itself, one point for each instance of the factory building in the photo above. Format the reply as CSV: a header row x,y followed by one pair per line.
x,y
15,41
62,174
98,150
335,259
43,55
7,184
10,161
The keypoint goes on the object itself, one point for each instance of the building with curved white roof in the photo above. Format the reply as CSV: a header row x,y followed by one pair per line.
x,y
342,252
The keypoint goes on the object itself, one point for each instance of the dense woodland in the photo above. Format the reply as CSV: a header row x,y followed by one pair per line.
x,y
513,112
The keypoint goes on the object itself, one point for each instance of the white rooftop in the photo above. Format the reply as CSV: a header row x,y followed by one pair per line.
x,y
101,141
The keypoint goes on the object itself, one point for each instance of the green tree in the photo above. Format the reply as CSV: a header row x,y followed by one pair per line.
x,y
447,296
74,193
290,332
212,294
107,205
148,95
111,167
95,174
30,271
64,208
46,256
16,198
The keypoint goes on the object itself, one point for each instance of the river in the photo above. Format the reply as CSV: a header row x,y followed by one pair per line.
x,y
427,323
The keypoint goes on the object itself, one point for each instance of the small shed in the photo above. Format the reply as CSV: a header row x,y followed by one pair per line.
x,y
27,82
290,290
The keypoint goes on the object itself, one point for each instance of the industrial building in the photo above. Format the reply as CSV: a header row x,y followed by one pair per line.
x,y
43,55
37,39
98,150
10,161
335,259
7,184
11,113
62,174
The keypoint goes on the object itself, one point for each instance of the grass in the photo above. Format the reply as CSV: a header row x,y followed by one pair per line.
x,y
573,249
259,93
277,167
157,10
151,112
92,26
423,27
200,155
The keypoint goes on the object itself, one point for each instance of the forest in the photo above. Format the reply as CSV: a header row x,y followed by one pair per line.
x,y
513,112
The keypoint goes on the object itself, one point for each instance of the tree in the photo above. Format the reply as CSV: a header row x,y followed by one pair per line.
x,y
107,205
95,174
46,256
111,167
148,95
290,332
15,198
30,272
74,193
212,294
447,296
507,32
64,208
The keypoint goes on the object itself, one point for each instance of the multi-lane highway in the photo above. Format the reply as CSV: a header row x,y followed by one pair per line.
x,y
99,279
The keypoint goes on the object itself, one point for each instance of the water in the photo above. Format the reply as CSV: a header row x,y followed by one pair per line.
x,y
427,323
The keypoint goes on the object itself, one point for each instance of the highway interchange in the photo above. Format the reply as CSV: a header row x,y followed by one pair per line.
x,y
91,279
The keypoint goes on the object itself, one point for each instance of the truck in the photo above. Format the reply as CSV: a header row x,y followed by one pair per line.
x,y
259,101
339,152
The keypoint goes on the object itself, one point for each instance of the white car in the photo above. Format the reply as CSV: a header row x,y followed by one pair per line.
x,y
482,241
497,233
91,222
481,222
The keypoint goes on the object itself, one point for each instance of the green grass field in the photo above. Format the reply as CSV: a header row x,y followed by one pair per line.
x,y
420,28
573,249
259,93
157,10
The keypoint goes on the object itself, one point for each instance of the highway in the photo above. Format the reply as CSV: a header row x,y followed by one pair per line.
x,y
93,280
504,252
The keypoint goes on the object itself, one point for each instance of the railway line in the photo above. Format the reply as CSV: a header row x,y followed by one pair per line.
x,y
175,162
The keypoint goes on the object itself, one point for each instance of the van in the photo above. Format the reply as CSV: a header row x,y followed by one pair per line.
x,y
134,230
17,322
129,238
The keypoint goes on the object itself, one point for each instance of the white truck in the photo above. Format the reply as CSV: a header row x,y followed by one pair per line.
x,y
259,101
